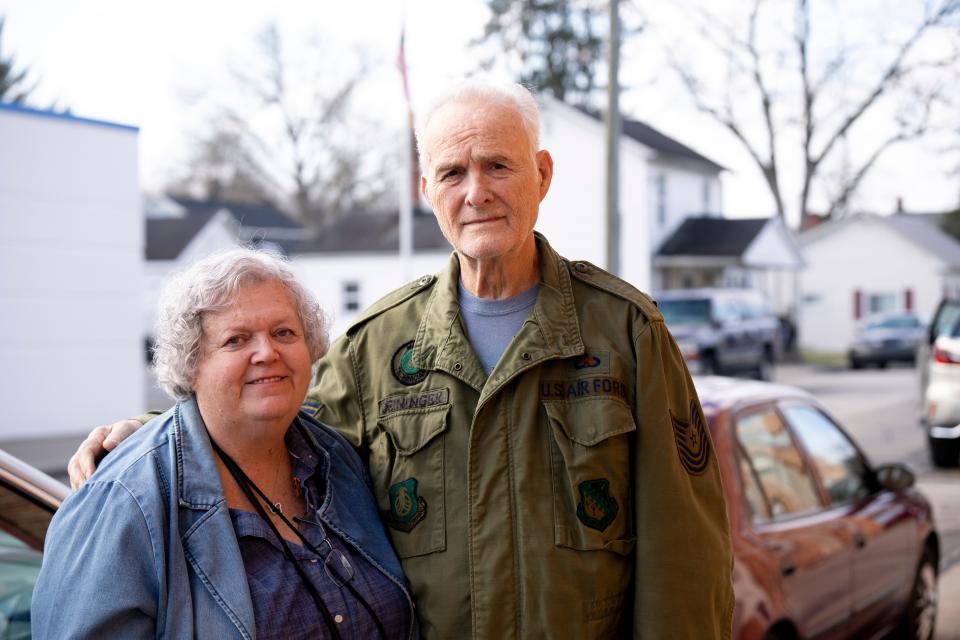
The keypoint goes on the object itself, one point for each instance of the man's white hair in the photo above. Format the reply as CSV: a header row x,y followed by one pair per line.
x,y
508,94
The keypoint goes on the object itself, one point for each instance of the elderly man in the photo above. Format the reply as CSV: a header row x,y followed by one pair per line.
x,y
535,443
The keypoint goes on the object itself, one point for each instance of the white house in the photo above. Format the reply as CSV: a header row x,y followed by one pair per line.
x,y
867,264
71,247
662,182
759,253
355,261
175,241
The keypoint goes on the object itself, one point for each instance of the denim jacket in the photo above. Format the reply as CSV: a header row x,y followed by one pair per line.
x,y
146,548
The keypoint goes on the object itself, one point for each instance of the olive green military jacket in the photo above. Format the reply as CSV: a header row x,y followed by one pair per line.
x,y
573,493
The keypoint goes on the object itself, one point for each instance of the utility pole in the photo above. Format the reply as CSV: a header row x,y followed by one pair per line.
x,y
613,127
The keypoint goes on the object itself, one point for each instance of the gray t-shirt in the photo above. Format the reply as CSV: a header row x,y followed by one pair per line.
x,y
491,324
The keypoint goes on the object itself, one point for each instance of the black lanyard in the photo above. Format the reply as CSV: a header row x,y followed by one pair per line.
x,y
257,498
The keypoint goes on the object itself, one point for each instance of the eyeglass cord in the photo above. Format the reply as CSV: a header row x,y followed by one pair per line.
x,y
249,489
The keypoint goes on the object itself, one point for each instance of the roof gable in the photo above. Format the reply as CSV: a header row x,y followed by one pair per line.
x,y
372,232
709,236
169,238
248,214
655,139
923,231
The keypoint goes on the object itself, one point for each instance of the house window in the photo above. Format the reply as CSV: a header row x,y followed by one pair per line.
x,y
882,302
351,295
661,199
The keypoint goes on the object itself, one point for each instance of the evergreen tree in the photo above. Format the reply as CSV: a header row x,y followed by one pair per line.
x,y
950,223
14,86
552,46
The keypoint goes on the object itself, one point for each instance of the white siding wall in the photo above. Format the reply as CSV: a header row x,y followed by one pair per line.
x,y
71,246
377,275
683,192
865,255
572,216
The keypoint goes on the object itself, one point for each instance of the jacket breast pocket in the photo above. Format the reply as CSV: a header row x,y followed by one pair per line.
x,y
407,471
591,457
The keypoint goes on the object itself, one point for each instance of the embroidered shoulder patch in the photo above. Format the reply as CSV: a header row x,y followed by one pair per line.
x,y
597,508
693,446
407,509
403,368
592,362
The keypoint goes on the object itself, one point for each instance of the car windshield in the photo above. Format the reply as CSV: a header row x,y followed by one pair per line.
x,y
897,322
689,311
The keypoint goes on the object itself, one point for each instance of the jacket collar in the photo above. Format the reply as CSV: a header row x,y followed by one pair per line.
x,y
551,331
199,486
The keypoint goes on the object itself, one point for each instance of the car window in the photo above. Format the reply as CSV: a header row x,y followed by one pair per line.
x,y
690,311
19,568
775,467
947,322
898,322
727,310
23,526
759,507
840,466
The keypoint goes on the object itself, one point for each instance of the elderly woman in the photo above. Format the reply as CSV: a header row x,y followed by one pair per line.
x,y
231,515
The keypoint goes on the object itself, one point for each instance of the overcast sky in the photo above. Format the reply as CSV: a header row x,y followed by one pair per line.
x,y
138,62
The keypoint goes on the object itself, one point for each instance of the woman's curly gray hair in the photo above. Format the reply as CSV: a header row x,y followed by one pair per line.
x,y
212,284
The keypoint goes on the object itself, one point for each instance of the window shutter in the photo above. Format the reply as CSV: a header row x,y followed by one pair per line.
x,y
857,304
908,299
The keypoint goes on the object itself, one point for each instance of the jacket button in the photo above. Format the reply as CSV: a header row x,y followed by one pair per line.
x,y
581,267
457,366
525,355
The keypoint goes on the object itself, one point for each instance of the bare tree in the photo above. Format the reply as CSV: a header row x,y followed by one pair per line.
x,y
288,135
785,92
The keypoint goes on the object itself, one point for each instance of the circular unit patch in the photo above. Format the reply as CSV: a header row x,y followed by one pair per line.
x,y
403,368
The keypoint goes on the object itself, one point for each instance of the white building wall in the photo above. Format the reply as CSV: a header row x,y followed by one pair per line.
x,y
865,255
573,215
375,274
685,190
71,246
635,248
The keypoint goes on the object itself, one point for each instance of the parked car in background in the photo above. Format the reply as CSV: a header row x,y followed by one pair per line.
x,y
28,499
939,363
825,544
723,331
884,338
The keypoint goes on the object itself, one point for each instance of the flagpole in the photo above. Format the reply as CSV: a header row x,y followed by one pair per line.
x,y
405,186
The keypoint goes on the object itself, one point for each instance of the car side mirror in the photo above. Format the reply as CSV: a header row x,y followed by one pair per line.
x,y
895,476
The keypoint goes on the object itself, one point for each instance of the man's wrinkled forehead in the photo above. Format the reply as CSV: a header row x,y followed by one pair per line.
x,y
487,129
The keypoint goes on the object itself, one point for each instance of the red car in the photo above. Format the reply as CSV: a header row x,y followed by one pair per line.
x,y
28,499
825,545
